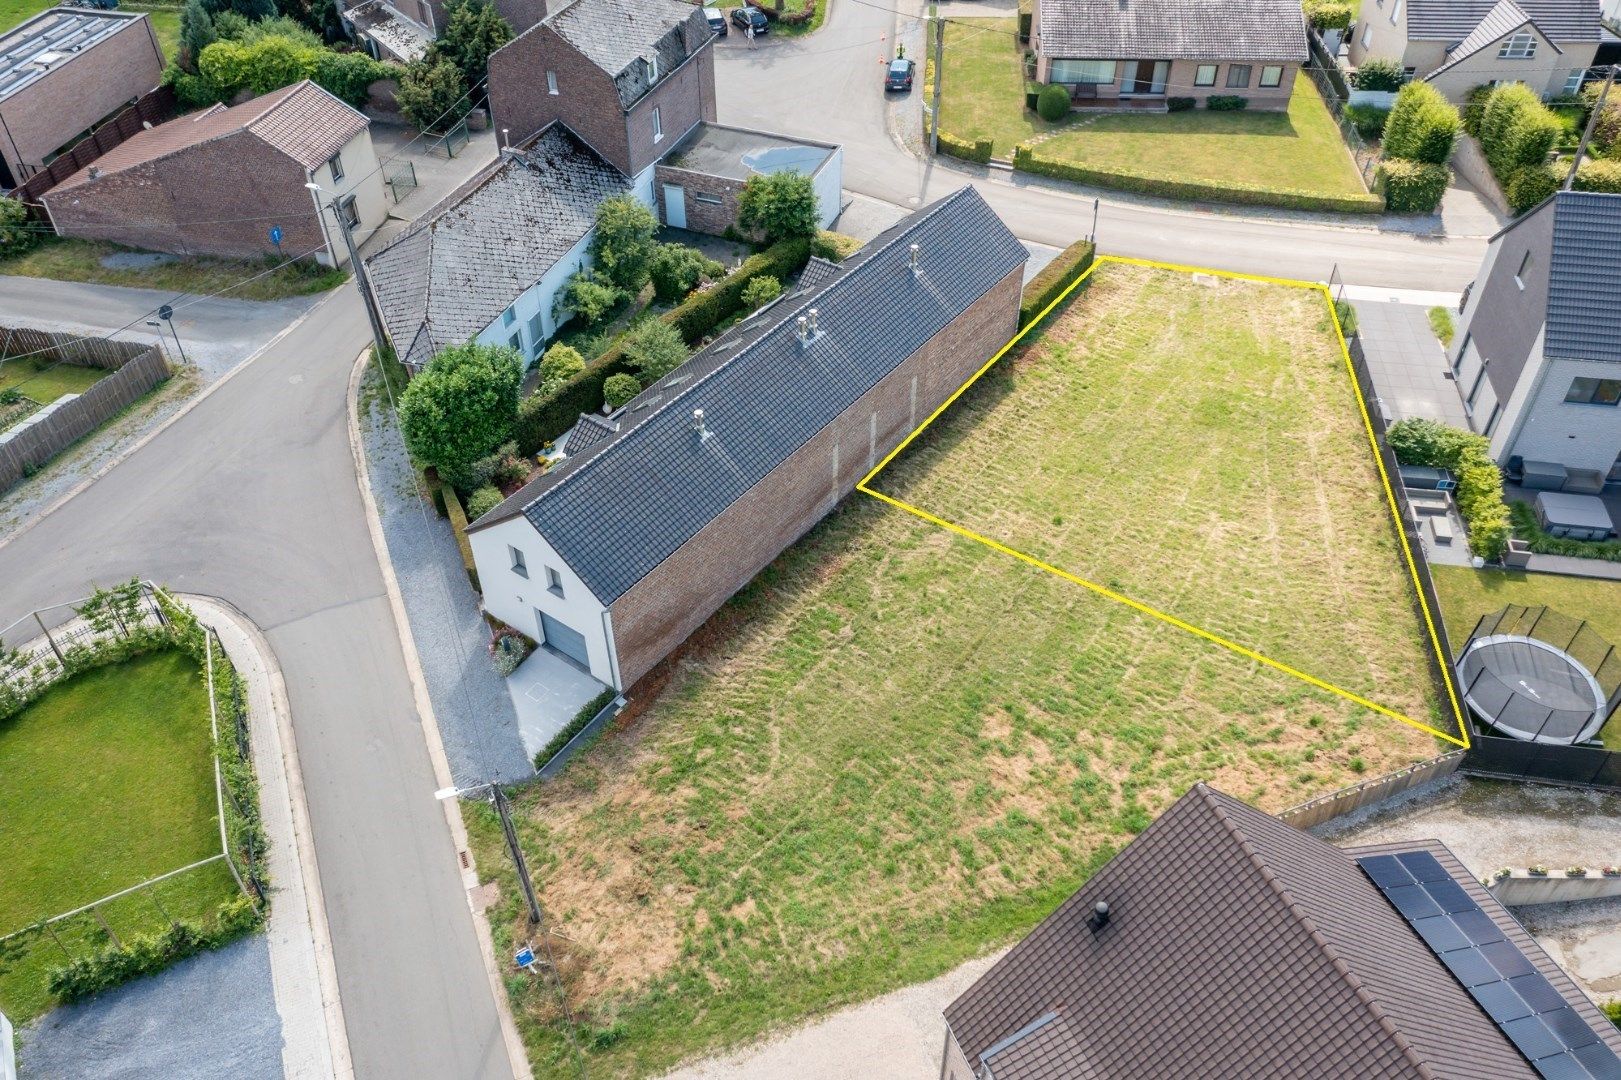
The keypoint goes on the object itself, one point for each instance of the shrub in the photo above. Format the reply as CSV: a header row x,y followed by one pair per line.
x,y
1049,284
834,247
1329,14
1530,185
624,241
1379,74
618,390
1180,104
653,347
1528,529
677,269
1607,128
1052,103
588,296
147,953
559,364
17,233
508,651
1226,103
462,405
1369,120
1474,109
1601,175
780,206
706,310
1412,187
581,720
1024,26
1612,1009
1516,129
978,151
1468,457
1422,126
196,33
432,94
760,292
347,76
482,501
458,525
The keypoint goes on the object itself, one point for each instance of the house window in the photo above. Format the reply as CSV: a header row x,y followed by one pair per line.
x,y
1573,81
1272,75
707,200
516,341
350,212
1491,421
554,581
1367,34
537,328
1518,47
519,566
1083,72
658,125
652,69
335,163
1204,75
1238,76
1395,12
1463,350
1594,392
508,316
1519,275
551,82
1480,379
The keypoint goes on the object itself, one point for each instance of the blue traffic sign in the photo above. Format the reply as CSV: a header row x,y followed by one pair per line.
x,y
275,235
524,957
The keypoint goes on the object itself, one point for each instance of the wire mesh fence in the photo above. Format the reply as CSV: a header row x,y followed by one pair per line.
x,y
1367,157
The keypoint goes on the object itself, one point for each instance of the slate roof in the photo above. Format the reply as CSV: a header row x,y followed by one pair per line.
x,y
1173,30
617,511
303,121
1502,20
453,272
1454,20
1584,277
1238,946
619,35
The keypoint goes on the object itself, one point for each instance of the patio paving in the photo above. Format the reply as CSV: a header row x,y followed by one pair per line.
x,y
547,692
1407,363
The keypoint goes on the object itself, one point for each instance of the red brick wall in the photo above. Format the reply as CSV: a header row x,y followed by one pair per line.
x,y
683,99
586,99
664,608
55,109
188,203
704,217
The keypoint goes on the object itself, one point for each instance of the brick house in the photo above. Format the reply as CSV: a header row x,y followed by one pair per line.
x,y
62,73
697,185
616,556
1223,942
1137,53
215,182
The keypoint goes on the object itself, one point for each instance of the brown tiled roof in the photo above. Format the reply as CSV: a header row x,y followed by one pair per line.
x,y
1237,946
303,121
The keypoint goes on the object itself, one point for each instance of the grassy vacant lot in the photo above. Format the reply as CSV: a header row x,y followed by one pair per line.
x,y
45,381
1468,594
81,260
898,748
109,782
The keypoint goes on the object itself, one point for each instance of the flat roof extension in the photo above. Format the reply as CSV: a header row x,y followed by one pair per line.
x,y
739,153
52,38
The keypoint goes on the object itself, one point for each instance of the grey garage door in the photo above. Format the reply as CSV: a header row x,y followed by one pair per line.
x,y
565,639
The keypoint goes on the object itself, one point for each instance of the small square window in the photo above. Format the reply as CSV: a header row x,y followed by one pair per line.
x,y
554,581
335,164
1238,76
508,316
1272,75
1204,75
516,341
519,566
551,82
1367,34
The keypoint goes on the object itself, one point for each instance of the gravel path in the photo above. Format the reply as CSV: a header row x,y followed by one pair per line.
x,y
476,718
210,1016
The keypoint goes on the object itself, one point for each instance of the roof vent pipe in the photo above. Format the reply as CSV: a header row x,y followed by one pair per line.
x,y
698,423
812,326
912,261
505,139
800,325
1099,917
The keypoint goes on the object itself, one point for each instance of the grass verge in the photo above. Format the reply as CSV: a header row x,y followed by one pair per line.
x,y
46,380
81,260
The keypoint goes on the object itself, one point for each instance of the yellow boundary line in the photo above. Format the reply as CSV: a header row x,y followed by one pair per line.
x,y
1171,620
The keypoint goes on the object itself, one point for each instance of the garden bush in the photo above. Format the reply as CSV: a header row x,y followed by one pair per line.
x,y
1329,14
1180,104
1480,482
1412,187
677,269
1474,109
1052,103
1601,175
482,501
458,525
653,348
834,247
779,206
1516,130
581,719
588,296
461,406
978,151
1379,74
619,390
1049,284
432,94
557,365
623,242
1369,120
760,292
148,953
17,233
1607,128
1226,103
1422,125
1530,185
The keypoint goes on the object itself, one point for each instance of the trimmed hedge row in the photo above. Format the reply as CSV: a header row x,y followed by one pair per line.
x,y
1422,125
977,151
1412,187
543,418
1171,187
1480,482
581,721
148,953
458,525
1054,278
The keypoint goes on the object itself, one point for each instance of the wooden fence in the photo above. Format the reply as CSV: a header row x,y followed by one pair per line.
x,y
136,369
150,110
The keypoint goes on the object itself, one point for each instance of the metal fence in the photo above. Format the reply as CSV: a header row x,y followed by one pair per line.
x,y
1329,82
401,177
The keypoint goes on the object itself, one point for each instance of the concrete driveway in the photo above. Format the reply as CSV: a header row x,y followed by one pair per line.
x,y
1408,363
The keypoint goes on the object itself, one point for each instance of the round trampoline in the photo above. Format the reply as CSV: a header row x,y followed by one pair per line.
x,y
1539,676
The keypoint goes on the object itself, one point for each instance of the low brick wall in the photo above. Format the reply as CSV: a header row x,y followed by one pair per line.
x,y
1520,889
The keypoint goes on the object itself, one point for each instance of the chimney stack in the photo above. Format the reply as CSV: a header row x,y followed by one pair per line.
x,y
912,261
812,325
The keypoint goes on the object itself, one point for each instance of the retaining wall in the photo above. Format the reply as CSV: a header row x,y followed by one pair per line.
x,y
1344,801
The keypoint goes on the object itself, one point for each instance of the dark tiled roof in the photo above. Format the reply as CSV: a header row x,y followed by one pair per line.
x,y
1584,277
632,500
452,273
1501,21
619,35
817,271
1173,30
1237,946
589,430
1454,20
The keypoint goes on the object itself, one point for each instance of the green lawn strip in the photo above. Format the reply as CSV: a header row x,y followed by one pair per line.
x,y
1441,324
80,260
1467,594
983,93
14,12
45,380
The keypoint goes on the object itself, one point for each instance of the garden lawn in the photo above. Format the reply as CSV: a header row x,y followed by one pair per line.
x,y
81,260
45,381
109,782
1468,594
983,95
898,748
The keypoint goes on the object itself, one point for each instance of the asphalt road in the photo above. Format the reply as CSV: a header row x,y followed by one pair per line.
x,y
827,87
252,497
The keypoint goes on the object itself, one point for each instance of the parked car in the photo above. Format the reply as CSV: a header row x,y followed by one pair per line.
x,y
898,76
747,16
717,21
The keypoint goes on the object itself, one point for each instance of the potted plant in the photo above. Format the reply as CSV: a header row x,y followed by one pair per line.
x,y
1575,871
1538,871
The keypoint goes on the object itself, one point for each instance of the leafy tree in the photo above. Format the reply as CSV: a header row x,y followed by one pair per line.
x,y
619,389
653,347
760,291
485,498
623,243
252,10
1422,125
1529,185
587,296
677,269
1377,73
432,95
347,76
462,406
279,26
196,33
1052,103
473,30
1329,14
16,232
780,205
228,25
561,363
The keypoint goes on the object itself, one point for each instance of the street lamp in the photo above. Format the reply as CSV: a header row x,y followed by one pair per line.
x,y
166,313
378,337
509,832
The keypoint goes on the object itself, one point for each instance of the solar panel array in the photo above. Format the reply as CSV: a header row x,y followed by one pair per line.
x,y
1525,1006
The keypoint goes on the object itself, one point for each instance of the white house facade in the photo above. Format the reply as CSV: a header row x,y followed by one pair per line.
x,y
352,181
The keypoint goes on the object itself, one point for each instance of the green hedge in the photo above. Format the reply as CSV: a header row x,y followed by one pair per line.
x,y
1516,131
1528,529
581,719
1412,187
458,524
1480,482
1054,278
1528,186
1173,187
1603,174
543,418
1422,125
1226,103
149,953
978,151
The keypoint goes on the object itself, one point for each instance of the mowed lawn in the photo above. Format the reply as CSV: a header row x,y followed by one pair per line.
x,y
45,380
109,782
165,19
899,748
1468,594
983,93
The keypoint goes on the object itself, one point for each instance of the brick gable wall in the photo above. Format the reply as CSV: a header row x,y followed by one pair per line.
x,y
662,610
683,99
586,99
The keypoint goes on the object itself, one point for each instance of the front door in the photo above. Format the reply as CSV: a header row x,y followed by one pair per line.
x,y
1146,76
565,639
675,206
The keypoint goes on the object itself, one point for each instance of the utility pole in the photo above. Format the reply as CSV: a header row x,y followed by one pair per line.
x,y
511,834
939,72
1587,132
379,339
